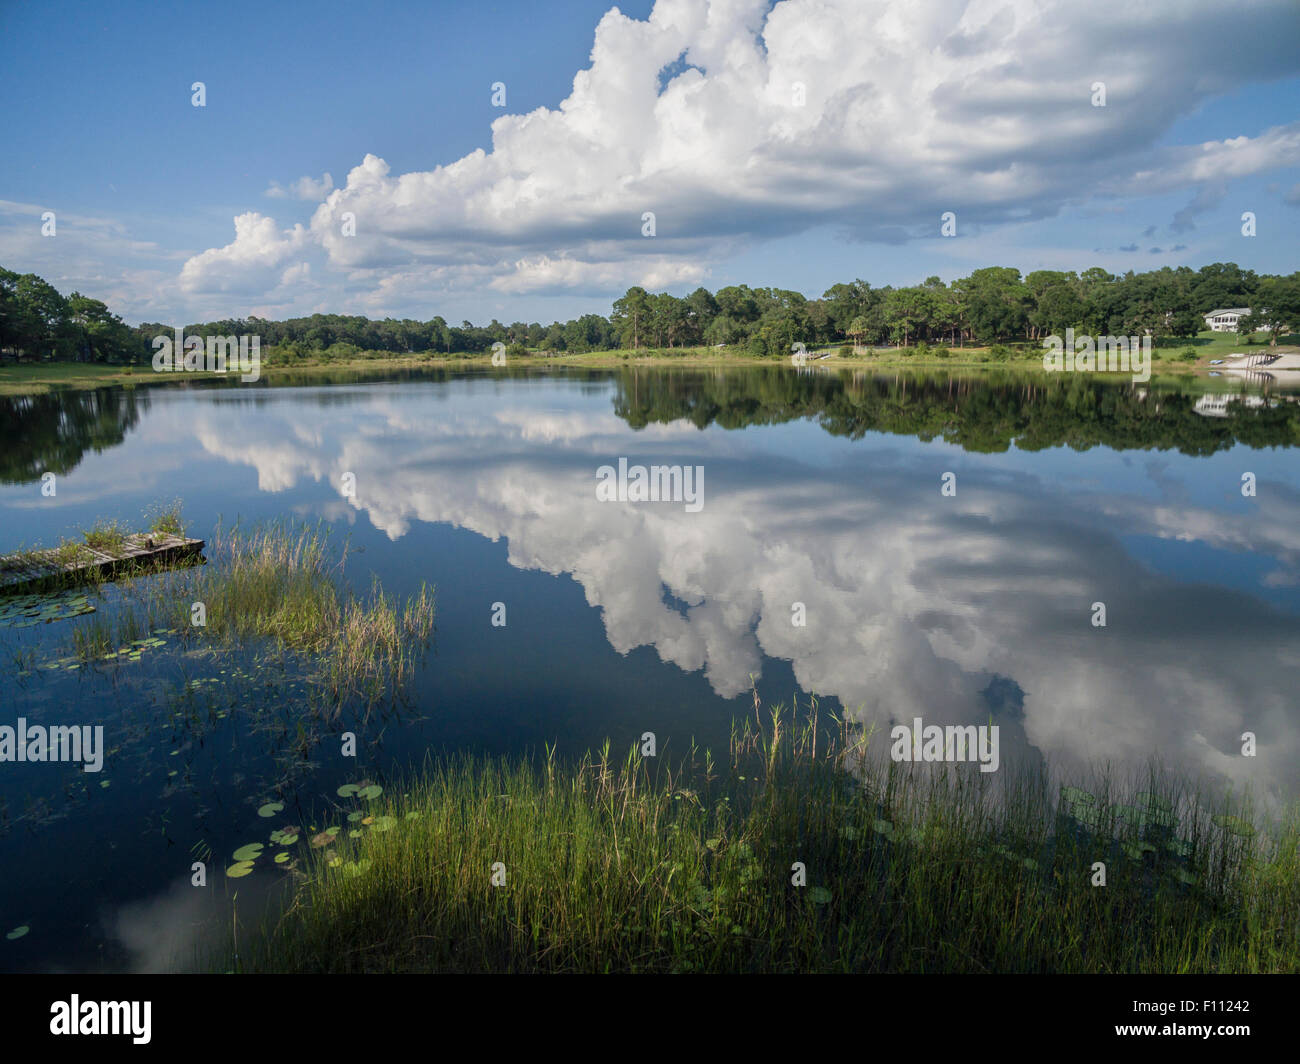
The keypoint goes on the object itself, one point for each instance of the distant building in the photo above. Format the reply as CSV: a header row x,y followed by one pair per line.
x,y
1225,320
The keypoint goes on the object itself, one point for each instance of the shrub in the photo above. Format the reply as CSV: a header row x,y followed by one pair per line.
x,y
105,536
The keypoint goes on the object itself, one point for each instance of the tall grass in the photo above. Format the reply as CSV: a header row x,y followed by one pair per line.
x,y
277,586
629,866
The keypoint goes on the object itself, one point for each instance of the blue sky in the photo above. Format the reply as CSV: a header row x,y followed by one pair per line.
x,y
909,109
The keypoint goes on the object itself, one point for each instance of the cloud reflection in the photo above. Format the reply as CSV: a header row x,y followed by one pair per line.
x,y
914,601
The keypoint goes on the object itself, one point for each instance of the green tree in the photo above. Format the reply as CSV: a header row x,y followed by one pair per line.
x,y
1276,308
631,318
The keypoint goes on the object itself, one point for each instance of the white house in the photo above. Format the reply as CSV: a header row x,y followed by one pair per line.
x,y
1225,320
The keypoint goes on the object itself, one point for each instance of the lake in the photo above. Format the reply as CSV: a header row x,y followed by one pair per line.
x,y
899,546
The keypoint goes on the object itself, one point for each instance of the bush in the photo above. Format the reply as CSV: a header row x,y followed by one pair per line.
x,y
846,350
340,352
516,350
999,353
1189,354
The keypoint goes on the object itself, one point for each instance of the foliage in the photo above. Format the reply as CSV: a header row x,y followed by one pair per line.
x,y
994,304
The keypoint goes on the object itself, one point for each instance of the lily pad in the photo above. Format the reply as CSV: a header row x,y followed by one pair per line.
x,y
1234,825
883,827
819,896
281,857
25,611
270,809
18,932
348,790
1154,801
239,869
251,852
370,793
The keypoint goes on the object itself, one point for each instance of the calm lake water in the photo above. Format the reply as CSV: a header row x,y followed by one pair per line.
x,y
819,488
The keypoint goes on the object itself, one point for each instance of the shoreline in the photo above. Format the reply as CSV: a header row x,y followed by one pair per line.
x,y
44,378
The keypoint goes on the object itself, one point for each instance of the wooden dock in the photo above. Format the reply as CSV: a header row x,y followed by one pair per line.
x,y
22,571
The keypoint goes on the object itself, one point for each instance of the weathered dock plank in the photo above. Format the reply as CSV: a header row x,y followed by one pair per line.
x,y
22,570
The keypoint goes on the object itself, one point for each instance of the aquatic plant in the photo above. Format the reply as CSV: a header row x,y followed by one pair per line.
x,y
276,587
27,610
800,853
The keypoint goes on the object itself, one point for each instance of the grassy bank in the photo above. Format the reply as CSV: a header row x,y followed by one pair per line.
x,y
1184,357
628,866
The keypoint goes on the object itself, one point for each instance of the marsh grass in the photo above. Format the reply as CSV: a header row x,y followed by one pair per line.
x,y
628,866
377,639
278,588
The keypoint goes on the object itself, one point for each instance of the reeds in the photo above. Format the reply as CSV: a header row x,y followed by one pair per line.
x,y
275,588
634,865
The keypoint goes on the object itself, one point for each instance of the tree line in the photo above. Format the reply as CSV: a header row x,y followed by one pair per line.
x,y
992,305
